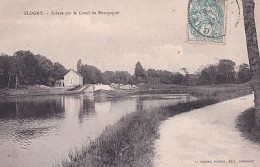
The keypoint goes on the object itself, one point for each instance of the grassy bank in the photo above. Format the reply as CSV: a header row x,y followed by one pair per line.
x,y
221,93
39,90
216,92
130,141
247,125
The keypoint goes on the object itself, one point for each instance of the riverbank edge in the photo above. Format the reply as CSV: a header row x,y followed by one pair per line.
x,y
213,92
245,122
18,96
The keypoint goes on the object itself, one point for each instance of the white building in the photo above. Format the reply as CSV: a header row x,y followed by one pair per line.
x,y
72,78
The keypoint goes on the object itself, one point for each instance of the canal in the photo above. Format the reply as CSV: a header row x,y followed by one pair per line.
x,y
41,131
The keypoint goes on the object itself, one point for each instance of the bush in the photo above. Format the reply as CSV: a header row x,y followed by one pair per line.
x,y
246,123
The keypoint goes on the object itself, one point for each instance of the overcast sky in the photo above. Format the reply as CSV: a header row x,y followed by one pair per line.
x,y
150,31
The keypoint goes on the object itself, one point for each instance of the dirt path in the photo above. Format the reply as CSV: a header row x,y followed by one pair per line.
x,y
206,134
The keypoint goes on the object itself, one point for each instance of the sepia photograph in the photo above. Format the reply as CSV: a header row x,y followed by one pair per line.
x,y
140,83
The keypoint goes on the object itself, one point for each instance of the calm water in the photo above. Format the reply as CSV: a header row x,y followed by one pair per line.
x,y
40,131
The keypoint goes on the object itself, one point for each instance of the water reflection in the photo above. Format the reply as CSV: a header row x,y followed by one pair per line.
x,y
33,107
36,131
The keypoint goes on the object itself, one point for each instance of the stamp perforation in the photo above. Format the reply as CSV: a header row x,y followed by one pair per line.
x,y
223,42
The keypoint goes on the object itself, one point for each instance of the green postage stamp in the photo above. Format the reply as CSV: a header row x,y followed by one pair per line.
x,y
206,20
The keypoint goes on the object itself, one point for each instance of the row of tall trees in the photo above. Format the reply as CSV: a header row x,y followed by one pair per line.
x,y
92,75
224,72
26,68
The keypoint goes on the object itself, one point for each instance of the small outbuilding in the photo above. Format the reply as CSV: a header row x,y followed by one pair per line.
x,y
59,83
73,78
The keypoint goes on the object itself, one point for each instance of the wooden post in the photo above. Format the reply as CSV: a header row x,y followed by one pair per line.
x,y
253,51
9,79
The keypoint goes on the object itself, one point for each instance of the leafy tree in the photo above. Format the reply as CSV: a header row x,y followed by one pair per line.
x,y
79,64
221,73
124,77
153,76
208,75
186,74
26,68
58,71
244,73
226,71
91,74
109,77
165,77
46,69
140,72
5,64
192,79
178,78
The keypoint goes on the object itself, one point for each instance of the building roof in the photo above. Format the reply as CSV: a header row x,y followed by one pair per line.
x,y
75,72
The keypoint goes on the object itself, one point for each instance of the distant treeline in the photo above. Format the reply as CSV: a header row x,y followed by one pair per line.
x,y
26,68
224,72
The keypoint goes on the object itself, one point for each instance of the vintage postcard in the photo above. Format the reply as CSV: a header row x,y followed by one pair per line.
x,y
141,83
